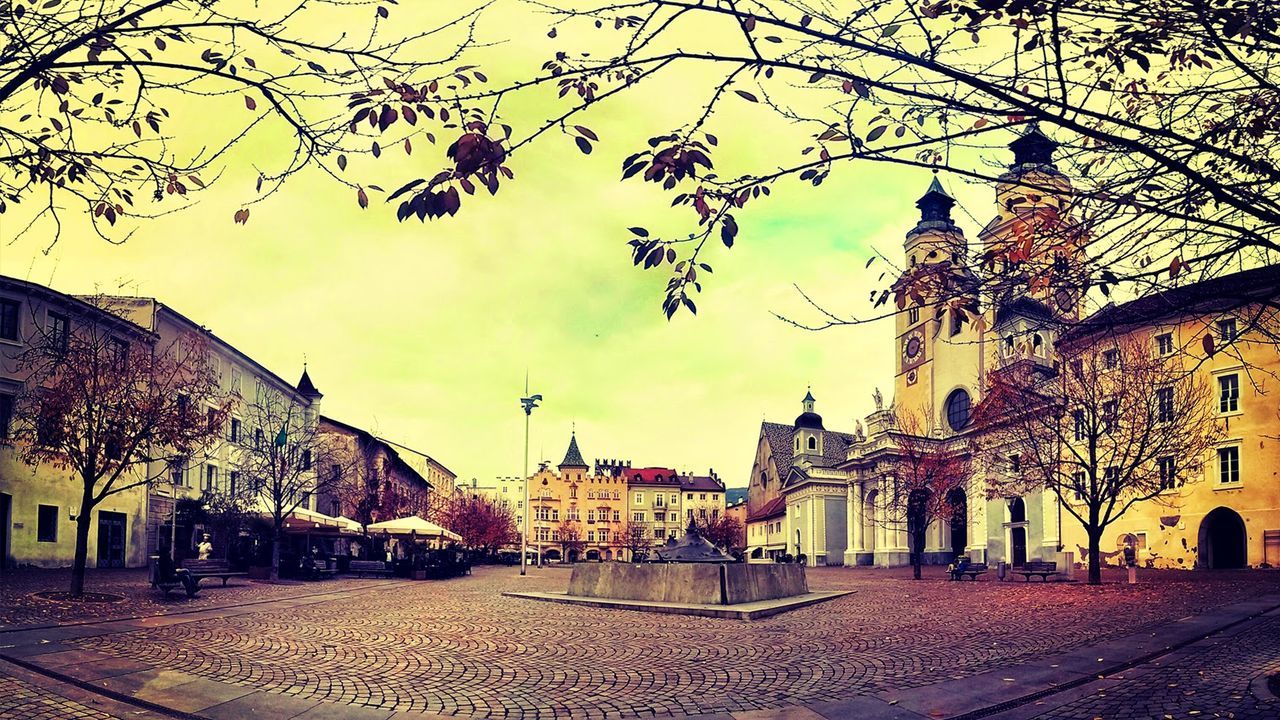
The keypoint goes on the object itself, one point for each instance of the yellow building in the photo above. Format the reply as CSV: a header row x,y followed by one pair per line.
x,y
39,503
1228,514
573,509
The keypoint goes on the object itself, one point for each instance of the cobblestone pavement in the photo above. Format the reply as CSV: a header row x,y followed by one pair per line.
x,y
1211,681
20,606
21,700
459,648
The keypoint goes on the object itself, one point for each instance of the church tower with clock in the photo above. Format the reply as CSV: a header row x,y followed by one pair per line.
x,y
938,332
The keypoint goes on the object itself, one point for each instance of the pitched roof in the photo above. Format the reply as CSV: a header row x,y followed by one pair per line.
x,y
835,446
1214,295
700,483
372,439
573,456
651,476
773,508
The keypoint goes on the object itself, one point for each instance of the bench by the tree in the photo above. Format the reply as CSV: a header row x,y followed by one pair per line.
x,y
1037,568
972,571
376,568
201,569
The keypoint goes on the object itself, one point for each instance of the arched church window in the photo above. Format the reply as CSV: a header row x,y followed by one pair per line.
x,y
1017,510
1037,344
813,443
959,409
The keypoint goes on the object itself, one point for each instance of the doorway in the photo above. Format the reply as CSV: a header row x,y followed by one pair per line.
x,y
6,502
1223,542
1019,549
959,521
111,539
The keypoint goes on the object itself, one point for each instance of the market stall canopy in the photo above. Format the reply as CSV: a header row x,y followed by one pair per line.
x,y
349,524
304,520
414,525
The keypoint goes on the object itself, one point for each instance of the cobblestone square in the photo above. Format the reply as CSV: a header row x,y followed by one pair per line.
x,y
460,648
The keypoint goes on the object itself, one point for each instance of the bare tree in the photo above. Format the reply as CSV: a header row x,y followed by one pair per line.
x,y
485,525
1118,426
101,400
635,537
105,103
283,458
723,531
571,540
929,472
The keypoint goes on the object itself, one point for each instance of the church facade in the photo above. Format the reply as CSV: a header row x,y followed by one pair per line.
x,y
820,494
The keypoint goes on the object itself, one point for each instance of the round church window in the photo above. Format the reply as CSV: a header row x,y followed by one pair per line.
x,y
959,409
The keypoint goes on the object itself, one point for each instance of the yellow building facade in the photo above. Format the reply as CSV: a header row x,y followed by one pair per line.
x,y
574,513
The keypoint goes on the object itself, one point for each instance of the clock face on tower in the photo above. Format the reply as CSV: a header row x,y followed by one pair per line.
x,y
912,349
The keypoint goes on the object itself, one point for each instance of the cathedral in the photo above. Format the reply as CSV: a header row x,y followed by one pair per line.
x,y
818,494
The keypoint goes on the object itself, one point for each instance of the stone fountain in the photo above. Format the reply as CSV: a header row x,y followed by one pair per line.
x,y
693,577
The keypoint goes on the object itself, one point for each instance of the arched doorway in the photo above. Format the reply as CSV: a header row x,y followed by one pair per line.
x,y
757,554
593,555
1018,532
551,555
959,503
870,527
1222,540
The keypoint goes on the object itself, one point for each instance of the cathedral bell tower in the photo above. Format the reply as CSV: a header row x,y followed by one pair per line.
x,y
1038,247
936,296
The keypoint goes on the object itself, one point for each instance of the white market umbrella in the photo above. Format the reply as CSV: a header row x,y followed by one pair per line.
x,y
414,525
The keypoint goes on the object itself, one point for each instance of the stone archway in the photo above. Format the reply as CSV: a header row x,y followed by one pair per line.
x,y
1222,541
551,555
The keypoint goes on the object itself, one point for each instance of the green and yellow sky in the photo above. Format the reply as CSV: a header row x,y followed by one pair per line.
x,y
424,332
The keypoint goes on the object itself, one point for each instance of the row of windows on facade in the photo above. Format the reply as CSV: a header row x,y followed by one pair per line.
x,y
58,334
1228,472
1228,400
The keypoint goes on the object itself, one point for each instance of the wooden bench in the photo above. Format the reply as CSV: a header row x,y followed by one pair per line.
x,y
168,584
369,567
971,571
1037,568
201,569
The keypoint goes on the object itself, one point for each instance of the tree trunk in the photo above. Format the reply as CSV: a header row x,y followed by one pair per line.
x,y
83,521
1095,557
917,553
276,541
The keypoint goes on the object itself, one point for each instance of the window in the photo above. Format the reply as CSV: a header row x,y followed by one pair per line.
x,y
9,319
958,409
119,353
703,496
59,332
813,443
236,380
675,499
233,432
257,438
617,515
1164,404
657,500
591,536
1168,474
913,316
1227,330
1110,476
1228,393
702,513
573,492
1015,464
233,481
210,477
178,471
1077,418
639,498
49,429
1164,343
957,322
47,523
1110,412
6,415
637,516
604,535
1229,465
306,459
1077,368
688,496
1037,344
212,414
1110,359
1078,484
591,516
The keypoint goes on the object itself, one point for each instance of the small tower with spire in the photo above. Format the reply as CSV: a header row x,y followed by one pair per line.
x,y
574,467
807,433
308,390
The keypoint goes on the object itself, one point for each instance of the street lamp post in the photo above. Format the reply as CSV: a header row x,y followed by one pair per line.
x,y
529,402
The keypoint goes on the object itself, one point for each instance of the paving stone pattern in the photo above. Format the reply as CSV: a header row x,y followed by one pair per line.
x,y
459,648
20,606
20,700
1213,681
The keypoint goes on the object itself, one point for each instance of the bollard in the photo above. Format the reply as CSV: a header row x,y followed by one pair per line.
x,y
1133,575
